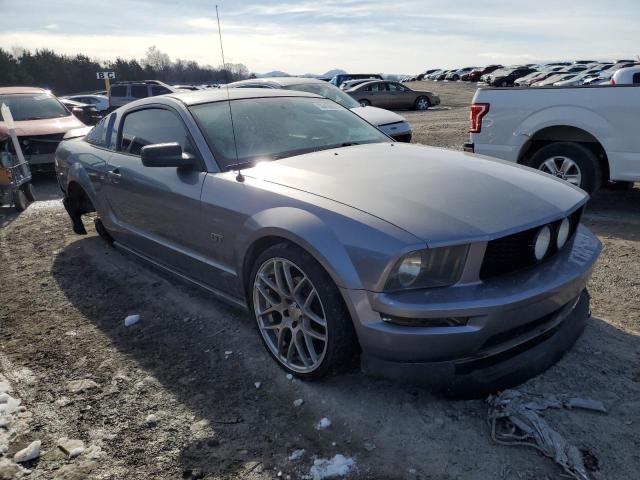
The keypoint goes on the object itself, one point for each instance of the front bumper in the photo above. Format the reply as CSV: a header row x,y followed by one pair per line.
x,y
399,131
507,317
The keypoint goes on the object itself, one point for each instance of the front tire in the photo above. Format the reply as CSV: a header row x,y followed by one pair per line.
x,y
300,314
571,162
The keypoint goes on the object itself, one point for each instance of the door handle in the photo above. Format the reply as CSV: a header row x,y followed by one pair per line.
x,y
115,172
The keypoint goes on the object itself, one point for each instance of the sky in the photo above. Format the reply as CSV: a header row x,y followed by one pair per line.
x,y
390,36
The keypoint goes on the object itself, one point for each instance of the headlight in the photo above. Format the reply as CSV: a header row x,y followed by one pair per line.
x,y
432,267
563,233
542,242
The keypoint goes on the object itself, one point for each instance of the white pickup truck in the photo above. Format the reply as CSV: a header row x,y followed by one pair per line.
x,y
585,135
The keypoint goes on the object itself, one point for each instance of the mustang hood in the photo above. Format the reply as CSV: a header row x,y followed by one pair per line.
x,y
440,196
377,116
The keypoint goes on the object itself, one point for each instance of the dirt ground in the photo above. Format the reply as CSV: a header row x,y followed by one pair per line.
x,y
164,398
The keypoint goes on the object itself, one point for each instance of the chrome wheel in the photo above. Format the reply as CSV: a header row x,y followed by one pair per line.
x,y
422,104
564,168
290,315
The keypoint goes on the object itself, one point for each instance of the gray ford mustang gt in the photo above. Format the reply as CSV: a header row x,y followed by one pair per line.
x,y
441,267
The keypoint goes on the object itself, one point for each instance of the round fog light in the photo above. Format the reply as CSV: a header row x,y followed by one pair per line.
x,y
563,233
541,245
410,269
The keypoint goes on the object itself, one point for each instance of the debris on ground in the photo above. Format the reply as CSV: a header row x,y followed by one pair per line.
x,y
298,402
131,320
71,447
31,452
323,423
151,420
514,417
257,384
338,466
289,376
78,386
10,470
296,454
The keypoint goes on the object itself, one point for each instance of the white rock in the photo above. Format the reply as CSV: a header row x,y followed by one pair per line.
x,y
257,384
4,397
289,376
29,453
296,454
298,402
9,405
8,469
323,423
131,320
338,466
77,386
4,422
151,420
76,452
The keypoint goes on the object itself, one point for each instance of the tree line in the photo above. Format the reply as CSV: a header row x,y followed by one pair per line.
x,y
64,74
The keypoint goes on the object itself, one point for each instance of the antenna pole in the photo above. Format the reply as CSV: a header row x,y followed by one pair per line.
x,y
239,177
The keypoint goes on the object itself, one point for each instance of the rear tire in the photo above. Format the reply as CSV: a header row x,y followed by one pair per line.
x,y
583,158
422,104
102,231
29,191
289,311
19,199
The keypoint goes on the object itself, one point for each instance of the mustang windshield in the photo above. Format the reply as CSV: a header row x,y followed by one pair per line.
x,y
279,127
34,106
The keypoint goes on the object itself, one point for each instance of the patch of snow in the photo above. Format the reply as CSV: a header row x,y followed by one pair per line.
x,y
323,423
298,402
338,466
296,454
131,320
29,453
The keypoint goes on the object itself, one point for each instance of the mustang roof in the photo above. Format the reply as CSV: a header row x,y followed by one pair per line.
x,y
282,81
207,96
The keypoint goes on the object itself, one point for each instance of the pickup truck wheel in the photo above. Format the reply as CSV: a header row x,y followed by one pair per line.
x,y
422,103
571,162
365,103
301,316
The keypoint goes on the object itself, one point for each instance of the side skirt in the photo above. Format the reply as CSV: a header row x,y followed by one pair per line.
x,y
233,301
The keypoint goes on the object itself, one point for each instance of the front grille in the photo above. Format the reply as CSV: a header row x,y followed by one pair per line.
x,y
515,252
40,144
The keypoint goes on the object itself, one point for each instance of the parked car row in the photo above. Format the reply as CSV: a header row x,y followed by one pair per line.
x,y
559,74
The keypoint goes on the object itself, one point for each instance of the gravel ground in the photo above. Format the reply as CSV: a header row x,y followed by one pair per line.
x,y
165,399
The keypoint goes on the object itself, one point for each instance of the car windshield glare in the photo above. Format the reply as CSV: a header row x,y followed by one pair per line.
x,y
33,106
279,127
326,91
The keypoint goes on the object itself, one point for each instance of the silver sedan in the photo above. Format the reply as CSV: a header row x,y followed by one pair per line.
x,y
437,266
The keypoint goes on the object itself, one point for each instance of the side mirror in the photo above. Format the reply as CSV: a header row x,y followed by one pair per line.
x,y
165,155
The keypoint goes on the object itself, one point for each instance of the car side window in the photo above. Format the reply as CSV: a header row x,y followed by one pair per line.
x,y
139,91
151,126
159,90
379,87
396,87
119,91
636,78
